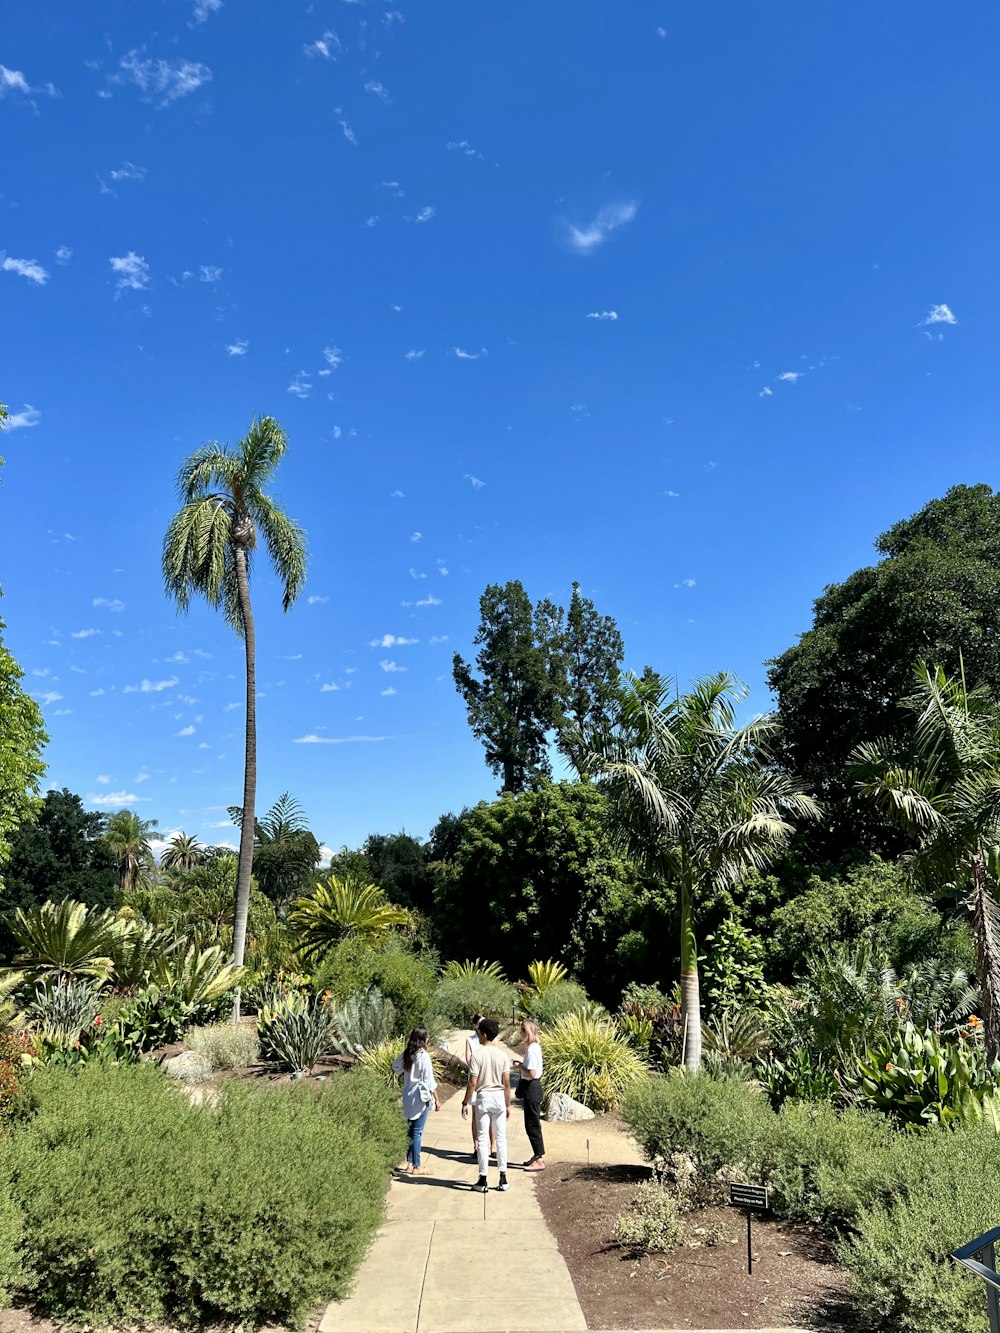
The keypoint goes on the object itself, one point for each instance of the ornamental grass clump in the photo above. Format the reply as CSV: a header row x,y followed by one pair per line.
x,y
590,1060
226,1045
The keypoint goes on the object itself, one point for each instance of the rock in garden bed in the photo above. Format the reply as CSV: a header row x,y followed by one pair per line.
x,y
703,1283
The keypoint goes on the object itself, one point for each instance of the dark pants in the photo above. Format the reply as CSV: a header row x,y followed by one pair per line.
x,y
532,1103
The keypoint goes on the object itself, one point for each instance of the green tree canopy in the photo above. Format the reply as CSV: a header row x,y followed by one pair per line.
x,y
534,877
543,671
22,739
935,594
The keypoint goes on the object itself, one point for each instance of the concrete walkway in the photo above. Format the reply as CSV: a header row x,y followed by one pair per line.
x,y
449,1260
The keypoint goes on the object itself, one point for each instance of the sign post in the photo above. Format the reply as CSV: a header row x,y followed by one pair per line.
x,y
752,1199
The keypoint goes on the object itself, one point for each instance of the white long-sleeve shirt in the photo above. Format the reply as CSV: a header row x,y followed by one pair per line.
x,y
420,1073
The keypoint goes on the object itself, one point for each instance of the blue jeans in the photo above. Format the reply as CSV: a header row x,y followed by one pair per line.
x,y
415,1128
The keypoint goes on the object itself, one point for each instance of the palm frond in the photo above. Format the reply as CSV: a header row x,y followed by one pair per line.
x,y
286,545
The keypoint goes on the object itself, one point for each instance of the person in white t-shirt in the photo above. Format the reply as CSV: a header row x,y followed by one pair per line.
x,y
489,1081
472,1044
529,1094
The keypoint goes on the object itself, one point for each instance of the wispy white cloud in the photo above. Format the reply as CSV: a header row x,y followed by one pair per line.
x,y
345,127
109,603
238,348
28,416
333,357
96,694
426,214
389,690
464,147
132,270
429,600
388,665
766,392
439,638
329,47
64,254
392,17
603,314
300,385
84,633
330,688
392,641
153,686
378,90
415,353
103,779
469,356
185,731
337,740
114,800
685,583
417,573
316,600
416,536
673,495
210,273
202,9
24,268
373,221
14,84
49,697
588,237
474,482
939,314
161,81
790,376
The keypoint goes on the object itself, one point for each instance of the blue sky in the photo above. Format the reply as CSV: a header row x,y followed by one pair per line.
x,y
686,303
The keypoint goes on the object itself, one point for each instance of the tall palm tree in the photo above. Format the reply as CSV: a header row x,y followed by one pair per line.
x,y
182,852
695,799
208,549
128,837
943,788
285,850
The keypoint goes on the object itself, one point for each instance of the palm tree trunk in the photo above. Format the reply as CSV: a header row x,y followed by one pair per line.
x,y
690,990
986,936
249,775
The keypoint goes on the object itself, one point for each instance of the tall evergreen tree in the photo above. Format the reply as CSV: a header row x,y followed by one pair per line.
x,y
591,651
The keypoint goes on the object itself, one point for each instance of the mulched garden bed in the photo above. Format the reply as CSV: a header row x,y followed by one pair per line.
x,y
696,1286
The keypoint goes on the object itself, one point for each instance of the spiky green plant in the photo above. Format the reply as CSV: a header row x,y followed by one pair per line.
x,y
379,1060
297,1030
340,908
196,976
64,939
736,1036
64,1009
591,1061
366,1019
472,969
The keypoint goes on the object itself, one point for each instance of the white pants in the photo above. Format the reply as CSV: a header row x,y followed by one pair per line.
x,y
491,1108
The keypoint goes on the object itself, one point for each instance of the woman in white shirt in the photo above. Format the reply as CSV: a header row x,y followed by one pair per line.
x,y
419,1094
530,1098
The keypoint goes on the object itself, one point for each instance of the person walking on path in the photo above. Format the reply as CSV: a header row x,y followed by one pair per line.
x,y
419,1094
489,1082
472,1045
529,1093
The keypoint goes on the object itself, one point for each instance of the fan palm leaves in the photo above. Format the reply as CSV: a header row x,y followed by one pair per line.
x,y
208,550
694,798
65,939
943,789
340,908
473,968
128,836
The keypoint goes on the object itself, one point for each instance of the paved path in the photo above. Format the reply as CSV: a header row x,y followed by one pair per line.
x,y
443,1248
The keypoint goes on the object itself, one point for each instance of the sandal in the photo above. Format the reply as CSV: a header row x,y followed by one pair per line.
x,y
536,1165
420,1171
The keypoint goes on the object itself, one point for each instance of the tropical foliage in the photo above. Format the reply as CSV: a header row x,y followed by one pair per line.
x,y
339,909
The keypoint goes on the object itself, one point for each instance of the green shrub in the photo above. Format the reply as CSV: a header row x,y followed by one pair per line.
x,y
459,998
366,1019
917,1078
226,1045
195,1214
407,979
802,1075
723,1123
547,1006
589,1060
652,1225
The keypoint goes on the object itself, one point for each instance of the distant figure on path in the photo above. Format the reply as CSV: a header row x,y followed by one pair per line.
x,y
419,1094
530,1066
489,1082
471,1045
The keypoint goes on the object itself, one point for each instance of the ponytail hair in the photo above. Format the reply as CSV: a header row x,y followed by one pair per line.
x,y
416,1044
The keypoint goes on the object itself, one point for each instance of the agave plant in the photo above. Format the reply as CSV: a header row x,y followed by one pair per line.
x,y
64,1009
736,1036
297,1030
341,908
65,939
365,1019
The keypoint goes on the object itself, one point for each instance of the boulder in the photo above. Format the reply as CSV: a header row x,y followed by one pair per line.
x,y
565,1108
188,1068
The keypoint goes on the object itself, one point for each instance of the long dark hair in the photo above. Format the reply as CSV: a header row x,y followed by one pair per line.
x,y
416,1044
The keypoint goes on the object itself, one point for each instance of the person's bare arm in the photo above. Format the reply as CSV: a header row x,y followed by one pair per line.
x,y
506,1091
470,1089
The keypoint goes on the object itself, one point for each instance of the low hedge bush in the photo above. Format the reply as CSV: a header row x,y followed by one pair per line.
x,y
136,1206
226,1045
898,1201
458,998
